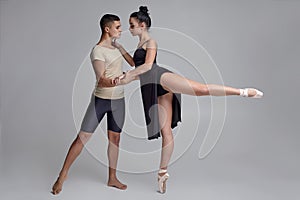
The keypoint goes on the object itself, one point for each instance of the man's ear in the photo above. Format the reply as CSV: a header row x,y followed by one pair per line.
x,y
106,29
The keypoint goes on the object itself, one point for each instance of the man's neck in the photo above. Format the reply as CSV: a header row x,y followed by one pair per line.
x,y
105,41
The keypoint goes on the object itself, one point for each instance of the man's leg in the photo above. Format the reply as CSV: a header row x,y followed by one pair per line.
x,y
113,154
89,123
115,122
73,153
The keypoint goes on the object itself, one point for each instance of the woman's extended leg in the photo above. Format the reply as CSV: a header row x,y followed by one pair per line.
x,y
165,118
179,84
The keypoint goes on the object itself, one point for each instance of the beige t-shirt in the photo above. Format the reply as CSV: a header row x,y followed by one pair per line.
x,y
113,68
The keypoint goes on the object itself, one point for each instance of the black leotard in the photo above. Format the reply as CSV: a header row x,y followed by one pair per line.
x,y
151,90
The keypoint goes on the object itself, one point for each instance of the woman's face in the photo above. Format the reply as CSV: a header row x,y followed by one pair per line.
x,y
134,26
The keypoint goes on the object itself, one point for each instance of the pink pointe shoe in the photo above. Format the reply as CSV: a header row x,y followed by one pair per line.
x,y
162,180
244,93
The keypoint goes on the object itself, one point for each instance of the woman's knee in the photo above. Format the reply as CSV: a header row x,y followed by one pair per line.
x,y
201,89
167,132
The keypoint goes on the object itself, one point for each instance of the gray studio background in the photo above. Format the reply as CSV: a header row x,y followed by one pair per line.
x,y
253,43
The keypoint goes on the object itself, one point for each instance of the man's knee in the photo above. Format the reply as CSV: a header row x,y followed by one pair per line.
x,y
83,137
114,137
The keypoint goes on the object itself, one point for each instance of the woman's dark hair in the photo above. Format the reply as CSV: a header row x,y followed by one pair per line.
x,y
142,16
106,20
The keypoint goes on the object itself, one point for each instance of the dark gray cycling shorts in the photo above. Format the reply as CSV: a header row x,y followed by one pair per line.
x,y
98,107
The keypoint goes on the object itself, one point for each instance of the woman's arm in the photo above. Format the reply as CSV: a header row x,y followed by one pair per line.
x,y
124,53
149,60
126,56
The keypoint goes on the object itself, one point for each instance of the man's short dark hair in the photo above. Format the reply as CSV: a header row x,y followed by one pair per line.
x,y
106,20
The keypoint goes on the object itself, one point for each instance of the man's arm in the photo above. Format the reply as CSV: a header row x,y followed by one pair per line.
x,y
99,67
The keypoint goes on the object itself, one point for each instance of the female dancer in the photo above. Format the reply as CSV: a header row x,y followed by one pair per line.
x,y
163,87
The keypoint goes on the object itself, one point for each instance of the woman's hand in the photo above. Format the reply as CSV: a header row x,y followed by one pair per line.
x,y
117,81
124,79
116,44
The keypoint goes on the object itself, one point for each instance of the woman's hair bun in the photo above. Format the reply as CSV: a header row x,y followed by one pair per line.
x,y
143,9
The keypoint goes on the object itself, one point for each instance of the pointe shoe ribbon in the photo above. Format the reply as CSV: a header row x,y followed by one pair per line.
x,y
162,180
244,93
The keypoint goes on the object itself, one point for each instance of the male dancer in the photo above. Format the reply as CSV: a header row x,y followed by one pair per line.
x,y
106,99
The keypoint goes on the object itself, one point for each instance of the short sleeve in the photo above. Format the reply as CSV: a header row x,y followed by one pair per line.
x,y
97,54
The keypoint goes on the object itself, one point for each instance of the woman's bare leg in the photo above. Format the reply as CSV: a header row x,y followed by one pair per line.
x,y
165,117
179,84
73,153
113,154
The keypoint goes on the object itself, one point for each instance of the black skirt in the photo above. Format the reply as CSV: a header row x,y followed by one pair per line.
x,y
151,90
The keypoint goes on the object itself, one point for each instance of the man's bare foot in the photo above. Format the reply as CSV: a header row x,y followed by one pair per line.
x,y
57,187
114,182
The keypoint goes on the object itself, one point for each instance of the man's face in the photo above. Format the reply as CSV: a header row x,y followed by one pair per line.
x,y
114,30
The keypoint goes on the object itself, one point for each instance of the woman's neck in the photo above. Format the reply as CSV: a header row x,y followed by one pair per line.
x,y
144,37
